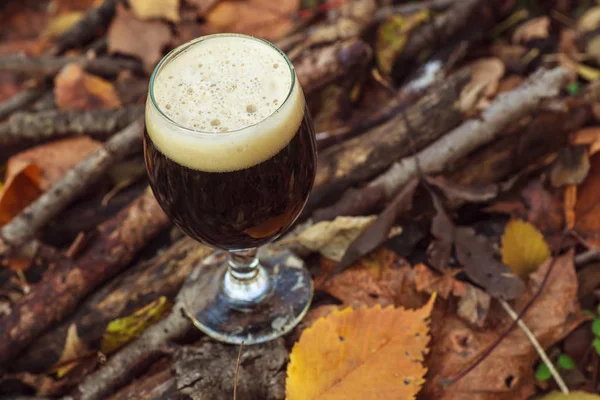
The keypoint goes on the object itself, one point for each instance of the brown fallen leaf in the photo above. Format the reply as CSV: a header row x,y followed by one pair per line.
x,y
473,303
544,208
145,40
53,159
536,28
75,349
381,277
149,9
75,89
60,24
587,208
570,167
587,136
507,373
485,74
335,359
202,6
61,6
263,18
590,20
21,188
442,229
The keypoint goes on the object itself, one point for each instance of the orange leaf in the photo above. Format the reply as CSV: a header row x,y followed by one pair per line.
x,y
369,353
21,188
264,18
569,204
52,160
587,136
77,90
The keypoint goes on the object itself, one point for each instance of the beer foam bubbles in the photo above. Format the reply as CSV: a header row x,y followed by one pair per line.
x,y
225,98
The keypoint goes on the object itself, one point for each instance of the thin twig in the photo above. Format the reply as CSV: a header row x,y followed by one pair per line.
x,y
237,371
20,100
587,256
538,347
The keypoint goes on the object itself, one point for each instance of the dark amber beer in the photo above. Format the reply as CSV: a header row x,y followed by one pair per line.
x,y
231,161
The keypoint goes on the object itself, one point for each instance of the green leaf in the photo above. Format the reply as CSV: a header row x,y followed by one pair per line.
x,y
596,326
566,362
596,344
574,88
542,373
121,331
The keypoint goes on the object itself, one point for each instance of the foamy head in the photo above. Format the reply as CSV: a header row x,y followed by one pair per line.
x,y
223,103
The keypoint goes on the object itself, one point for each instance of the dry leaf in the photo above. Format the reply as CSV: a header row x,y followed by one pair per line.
x,y
142,39
61,23
523,247
486,73
264,18
75,89
536,28
587,208
590,20
381,277
123,330
570,167
392,35
330,238
570,396
73,351
62,6
52,159
570,199
21,188
587,136
506,374
203,6
148,9
337,358
473,303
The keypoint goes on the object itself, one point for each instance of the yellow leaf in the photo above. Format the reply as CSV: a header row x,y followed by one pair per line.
x,y
123,330
392,35
523,247
590,20
73,351
148,9
60,24
588,73
570,396
368,353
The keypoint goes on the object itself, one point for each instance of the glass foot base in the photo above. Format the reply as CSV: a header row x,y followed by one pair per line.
x,y
251,319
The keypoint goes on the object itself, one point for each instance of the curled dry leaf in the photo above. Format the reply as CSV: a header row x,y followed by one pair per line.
x,y
485,75
523,247
473,303
149,9
335,359
75,89
142,39
21,188
264,18
73,351
330,238
536,28
507,374
571,396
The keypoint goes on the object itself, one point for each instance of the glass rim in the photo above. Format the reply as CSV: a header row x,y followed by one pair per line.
x,y
181,48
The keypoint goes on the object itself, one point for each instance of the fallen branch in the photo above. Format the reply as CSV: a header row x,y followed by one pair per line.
x,y
66,282
20,100
369,154
91,25
29,128
470,135
48,66
162,275
25,225
587,256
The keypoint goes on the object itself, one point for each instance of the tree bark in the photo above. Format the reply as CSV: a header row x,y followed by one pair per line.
x,y
67,282
20,100
358,159
27,128
162,275
25,225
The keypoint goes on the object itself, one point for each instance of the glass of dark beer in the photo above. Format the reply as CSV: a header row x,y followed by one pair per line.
x,y
231,156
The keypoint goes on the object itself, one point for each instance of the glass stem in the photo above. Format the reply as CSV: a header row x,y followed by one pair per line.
x,y
245,282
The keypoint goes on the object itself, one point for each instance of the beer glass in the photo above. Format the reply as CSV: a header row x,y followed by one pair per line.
x,y
231,155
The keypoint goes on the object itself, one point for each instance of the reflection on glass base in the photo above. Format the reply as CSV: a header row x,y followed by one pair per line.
x,y
272,315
